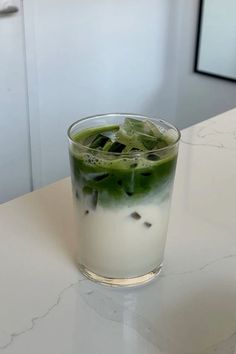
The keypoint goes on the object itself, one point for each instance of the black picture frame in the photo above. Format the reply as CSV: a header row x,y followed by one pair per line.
x,y
197,49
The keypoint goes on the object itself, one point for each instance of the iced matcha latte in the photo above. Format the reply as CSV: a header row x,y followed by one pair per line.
x,y
122,170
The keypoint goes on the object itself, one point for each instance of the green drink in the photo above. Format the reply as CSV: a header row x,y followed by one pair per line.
x,y
122,169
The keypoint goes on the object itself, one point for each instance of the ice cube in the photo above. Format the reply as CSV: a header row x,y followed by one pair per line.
x,y
137,134
99,141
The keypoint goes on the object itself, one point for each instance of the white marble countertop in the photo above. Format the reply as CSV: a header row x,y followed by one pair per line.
x,y
48,307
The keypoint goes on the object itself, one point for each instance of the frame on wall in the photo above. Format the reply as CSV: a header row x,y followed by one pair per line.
x,y
204,48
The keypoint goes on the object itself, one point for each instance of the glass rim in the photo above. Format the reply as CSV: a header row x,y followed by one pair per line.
x,y
127,154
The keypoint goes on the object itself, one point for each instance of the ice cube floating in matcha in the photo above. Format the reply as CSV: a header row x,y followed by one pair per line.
x,y
133,135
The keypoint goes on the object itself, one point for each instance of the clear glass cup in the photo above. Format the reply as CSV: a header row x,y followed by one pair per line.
x,y
122,203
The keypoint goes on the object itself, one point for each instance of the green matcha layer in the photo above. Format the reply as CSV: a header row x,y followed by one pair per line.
x,y
122,164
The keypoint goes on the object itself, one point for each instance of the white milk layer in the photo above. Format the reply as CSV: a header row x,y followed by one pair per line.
x,y
112,243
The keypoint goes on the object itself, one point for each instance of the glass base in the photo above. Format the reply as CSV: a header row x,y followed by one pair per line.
x,y
120,282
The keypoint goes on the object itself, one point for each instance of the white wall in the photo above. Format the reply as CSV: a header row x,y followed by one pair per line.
x,y
86,57
198,97
15,172
92,57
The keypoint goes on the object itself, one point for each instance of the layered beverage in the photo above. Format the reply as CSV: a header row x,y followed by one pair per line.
x,y
122,170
